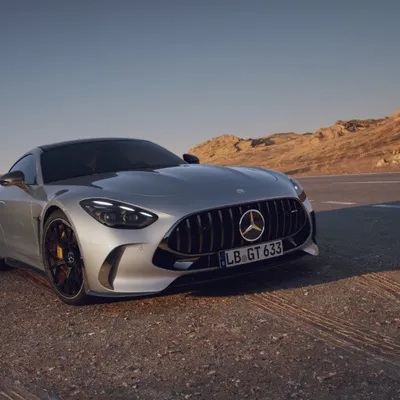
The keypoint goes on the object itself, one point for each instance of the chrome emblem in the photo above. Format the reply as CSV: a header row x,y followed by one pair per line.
x,y
240,191
70,258
251,225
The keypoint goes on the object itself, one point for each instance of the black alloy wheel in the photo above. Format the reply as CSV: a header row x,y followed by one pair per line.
x,y
3,264
62,259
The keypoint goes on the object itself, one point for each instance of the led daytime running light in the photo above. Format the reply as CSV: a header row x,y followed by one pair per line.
x,y
115,214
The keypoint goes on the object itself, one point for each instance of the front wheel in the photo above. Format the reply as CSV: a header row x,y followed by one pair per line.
x,y
62,259
3,264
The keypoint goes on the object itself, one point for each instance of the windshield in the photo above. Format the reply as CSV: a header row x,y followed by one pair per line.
x,y
97,157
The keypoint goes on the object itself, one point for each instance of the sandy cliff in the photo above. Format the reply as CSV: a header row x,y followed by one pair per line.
x,y
353,146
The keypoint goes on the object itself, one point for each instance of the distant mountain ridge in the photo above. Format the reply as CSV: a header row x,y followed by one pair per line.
x,y
352,146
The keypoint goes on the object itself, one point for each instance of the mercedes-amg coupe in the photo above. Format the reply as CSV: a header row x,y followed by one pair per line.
x,y
126,217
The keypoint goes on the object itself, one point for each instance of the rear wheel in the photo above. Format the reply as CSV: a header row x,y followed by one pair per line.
x,y
62,259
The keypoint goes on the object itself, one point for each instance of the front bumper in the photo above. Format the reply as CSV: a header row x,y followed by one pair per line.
x,y
215,274
133,269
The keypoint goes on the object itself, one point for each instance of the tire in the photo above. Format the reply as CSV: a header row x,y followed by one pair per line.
x,y
3,265
63,264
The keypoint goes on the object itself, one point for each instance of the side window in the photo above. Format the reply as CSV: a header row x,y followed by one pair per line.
x,y
27,165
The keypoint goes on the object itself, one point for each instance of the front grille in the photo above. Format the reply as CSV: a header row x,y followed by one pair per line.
x,y
218,229
165,258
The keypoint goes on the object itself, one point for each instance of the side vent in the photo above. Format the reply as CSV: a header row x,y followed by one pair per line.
x,y
109,267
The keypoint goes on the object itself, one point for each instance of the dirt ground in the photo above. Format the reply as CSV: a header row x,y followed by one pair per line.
x,y
319,328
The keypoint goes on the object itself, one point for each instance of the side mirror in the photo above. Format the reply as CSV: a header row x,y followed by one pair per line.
x,y
14,178
191,159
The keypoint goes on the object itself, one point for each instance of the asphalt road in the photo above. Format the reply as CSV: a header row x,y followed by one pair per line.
x,y
324,328
336,192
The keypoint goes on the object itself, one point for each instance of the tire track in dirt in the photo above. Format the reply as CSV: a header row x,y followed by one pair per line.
x,y
376,348
35,278
345,328
9,391
381,284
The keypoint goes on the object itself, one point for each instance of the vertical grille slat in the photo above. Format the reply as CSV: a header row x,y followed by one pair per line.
x,y
189,233
209,231
210,221
282,206
276,219
241,240
269,221
200,233
232,227
221,221
289,211
296,221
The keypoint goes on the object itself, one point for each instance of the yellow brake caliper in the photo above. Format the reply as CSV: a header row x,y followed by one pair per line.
x,y
62,274
60,253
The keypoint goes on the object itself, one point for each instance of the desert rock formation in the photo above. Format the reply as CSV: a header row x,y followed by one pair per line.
x,y
352,146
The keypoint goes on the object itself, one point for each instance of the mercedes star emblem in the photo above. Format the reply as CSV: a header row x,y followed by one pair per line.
x,y
70,257
251,225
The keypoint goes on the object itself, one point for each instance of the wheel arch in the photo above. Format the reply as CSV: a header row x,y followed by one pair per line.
x,y
50,211
46,213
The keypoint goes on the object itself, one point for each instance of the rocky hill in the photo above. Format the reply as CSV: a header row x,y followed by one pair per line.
x,y
353,146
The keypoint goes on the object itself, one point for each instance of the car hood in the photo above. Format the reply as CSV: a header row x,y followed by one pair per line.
x,y
179,180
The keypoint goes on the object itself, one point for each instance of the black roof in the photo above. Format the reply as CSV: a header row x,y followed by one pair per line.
x,y
83,141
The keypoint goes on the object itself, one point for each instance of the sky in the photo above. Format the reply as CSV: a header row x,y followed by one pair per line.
x,y
181,72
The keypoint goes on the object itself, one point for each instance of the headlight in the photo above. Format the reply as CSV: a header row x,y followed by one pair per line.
x,y
118,215
299,190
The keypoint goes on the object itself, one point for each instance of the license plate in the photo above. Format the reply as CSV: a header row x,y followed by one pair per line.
x,y
249,254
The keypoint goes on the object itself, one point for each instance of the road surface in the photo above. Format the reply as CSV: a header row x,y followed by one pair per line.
x,y
323,328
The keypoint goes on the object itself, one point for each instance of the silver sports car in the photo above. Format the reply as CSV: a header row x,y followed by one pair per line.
x,y
126,217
